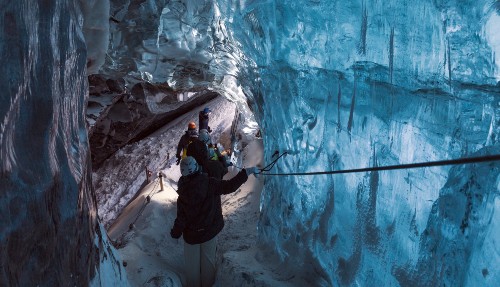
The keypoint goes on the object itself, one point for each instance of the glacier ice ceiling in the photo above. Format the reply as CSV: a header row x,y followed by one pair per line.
x,y
335,84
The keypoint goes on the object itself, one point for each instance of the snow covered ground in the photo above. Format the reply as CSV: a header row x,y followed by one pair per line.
x,y
151,257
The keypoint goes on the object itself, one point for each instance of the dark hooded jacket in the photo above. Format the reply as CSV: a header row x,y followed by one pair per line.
x,y
199,151
185,140
203,121
199,211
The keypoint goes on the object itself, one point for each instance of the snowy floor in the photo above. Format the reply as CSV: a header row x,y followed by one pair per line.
x,y
151,256
155,259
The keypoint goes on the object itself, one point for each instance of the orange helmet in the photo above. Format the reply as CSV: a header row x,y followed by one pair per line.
x,y
191,126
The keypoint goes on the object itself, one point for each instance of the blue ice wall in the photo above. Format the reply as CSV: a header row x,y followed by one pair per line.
x,y
341,85
47,210
49,234
351,84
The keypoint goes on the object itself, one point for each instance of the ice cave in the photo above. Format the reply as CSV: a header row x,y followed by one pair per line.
x,y
96,92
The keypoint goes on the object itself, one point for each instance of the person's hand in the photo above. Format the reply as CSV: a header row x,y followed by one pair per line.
x,y
174,240
209,129
174,234
178,160
252,170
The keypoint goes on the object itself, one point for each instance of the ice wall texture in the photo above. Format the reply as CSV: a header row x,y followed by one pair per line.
x,y
96,32
49,234
348,84
184,43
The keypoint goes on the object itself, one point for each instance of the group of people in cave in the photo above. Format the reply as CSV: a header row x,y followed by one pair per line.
x,y
199,209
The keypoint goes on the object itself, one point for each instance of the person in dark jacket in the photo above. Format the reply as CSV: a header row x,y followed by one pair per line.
x,y
185,140
213,150
203,119
199,150
199,218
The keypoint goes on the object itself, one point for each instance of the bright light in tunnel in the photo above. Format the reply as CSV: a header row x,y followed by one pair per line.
x,y
231,90
493,37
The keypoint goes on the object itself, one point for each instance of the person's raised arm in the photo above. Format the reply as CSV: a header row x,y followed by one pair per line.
x,y
219,186
231,185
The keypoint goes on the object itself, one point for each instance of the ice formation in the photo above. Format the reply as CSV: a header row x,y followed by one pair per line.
x,y
335,84
351,84
49,233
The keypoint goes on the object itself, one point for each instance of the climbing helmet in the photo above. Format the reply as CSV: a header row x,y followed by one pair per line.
x,y
188,166
204,136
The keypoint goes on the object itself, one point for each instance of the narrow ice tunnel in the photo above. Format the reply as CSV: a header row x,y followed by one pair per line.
x,y
334,84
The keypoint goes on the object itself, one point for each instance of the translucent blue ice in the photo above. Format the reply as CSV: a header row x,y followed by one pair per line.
x,y
351,84
335,84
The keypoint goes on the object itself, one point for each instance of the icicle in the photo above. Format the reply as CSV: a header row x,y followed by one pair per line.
x,y
449,63
490,139
391,54
372,231
364,27
339,96
349,123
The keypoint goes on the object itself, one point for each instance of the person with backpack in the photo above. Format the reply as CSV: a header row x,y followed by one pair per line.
x,y
199,218
213,150
203,119
185,140
199,151
215,153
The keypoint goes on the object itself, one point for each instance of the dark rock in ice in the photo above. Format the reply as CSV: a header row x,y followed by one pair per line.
x,y
97,85
116,86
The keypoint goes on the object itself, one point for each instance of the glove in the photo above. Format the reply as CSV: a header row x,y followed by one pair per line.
x,y
175,235
209,129
252,170
178,160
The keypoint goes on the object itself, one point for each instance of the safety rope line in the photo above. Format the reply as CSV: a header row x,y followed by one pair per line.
x,y
468,160
165,161
147,200
271,165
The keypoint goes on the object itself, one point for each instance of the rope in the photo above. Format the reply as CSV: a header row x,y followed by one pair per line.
x,y
165,161
118,243
146,201
468,160
271,165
